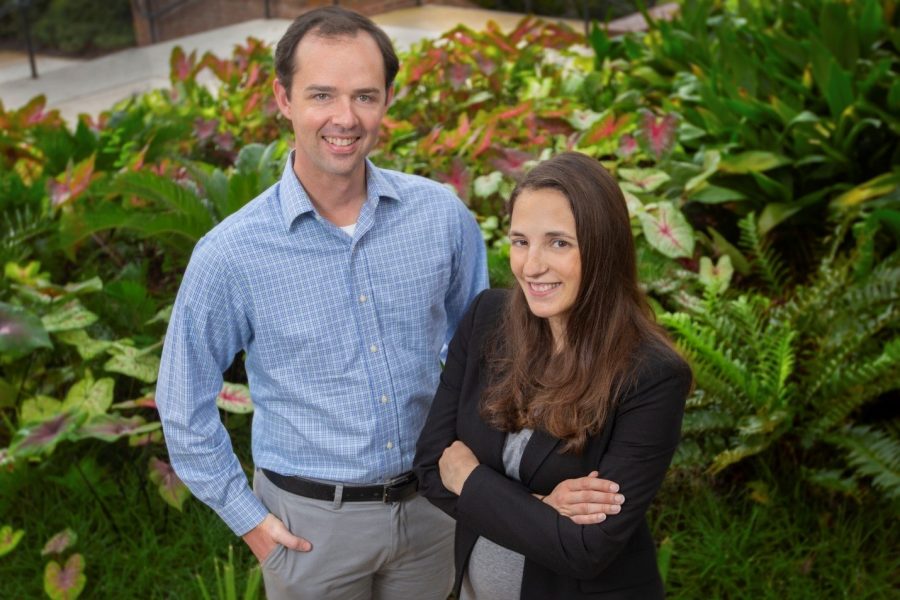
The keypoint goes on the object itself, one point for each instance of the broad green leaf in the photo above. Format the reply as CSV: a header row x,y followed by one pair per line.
x,y
775,213
29,275
128,360
839,91
668,231
871,22
60,542
8,394
65,583
89,286
713,194
43,437
642,180
39,408
487,185
86,346
170,486
21,331
9,539
111,427
752,161
874,188
145,439
162,316
90,397
71,315
716,277
711,160
738,260
234,398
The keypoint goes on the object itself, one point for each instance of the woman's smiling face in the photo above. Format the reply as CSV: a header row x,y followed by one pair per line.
x,y
544,254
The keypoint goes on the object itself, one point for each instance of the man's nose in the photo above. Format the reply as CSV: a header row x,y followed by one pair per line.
x,y
343,115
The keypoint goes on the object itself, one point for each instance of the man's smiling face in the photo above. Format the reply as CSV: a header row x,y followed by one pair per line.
x,y
336,103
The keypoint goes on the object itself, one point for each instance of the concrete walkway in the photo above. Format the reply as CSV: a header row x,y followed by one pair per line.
x,y
91,86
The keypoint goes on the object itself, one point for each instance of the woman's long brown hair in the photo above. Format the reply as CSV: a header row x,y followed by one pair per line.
x,y
571,391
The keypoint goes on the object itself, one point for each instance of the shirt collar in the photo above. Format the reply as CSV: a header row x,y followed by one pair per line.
x,y
295,201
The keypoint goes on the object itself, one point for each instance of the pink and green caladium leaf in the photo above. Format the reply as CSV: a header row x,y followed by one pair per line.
x,y
90,397
65,583
142,364
111,427
20,331
716,277
39,408
69,185
42,438
60,542
582,120
668,231
170,487
145,439
69,316
86,346
642,180
657,135
145,401
234,398
9,539
752,161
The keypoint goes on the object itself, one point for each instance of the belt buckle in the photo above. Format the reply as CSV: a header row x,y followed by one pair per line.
x,y
397,483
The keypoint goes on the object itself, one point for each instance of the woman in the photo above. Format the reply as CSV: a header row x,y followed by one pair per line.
x,y
564,375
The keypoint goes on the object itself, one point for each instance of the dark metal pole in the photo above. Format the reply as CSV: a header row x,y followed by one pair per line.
x,y
528,10
23,10
268,10
587,19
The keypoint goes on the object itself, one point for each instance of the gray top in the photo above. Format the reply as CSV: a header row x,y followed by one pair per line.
x,y
494,572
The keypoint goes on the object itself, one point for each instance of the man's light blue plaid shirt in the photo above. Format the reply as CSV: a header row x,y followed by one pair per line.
x,y
342,335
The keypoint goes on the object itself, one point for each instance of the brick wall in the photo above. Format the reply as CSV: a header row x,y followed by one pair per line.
x,y
178,18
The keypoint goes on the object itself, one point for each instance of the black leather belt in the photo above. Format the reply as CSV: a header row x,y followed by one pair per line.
x,y
395,490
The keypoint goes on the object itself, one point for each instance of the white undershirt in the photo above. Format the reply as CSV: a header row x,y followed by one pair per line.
x,y
350,229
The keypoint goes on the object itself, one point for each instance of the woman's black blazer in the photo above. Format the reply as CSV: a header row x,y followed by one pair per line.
x,y
613,559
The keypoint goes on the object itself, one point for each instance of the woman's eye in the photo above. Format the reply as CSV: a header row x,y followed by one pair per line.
x,y
518,243
559,243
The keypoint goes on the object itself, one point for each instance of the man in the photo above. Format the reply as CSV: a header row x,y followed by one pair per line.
x,y
341,283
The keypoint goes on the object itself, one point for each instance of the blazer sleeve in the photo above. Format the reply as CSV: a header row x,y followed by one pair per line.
x,y
646,431
440,426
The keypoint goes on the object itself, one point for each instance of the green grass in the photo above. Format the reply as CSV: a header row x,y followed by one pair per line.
x,y
788,543
784,544
152,551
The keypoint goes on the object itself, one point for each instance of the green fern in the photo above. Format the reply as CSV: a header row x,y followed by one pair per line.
x,y
872,453
766,263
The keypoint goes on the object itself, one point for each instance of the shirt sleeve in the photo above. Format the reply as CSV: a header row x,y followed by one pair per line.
x,y
645,433
470,272
209,325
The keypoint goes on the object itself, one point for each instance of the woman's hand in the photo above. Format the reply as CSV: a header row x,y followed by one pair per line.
x,y
456,464
586,500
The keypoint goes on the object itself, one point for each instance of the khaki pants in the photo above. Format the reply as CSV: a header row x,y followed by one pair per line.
x,y
361,550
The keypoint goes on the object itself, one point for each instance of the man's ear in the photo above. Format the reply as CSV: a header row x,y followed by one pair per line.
x,y
282,99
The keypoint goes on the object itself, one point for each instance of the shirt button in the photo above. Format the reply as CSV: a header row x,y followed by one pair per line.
x,y
384,399
373,348
389,445
362,298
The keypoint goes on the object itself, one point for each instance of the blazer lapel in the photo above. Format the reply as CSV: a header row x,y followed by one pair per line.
x,y
539,447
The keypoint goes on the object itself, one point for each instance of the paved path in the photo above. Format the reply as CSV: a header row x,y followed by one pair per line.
x,y
91,86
